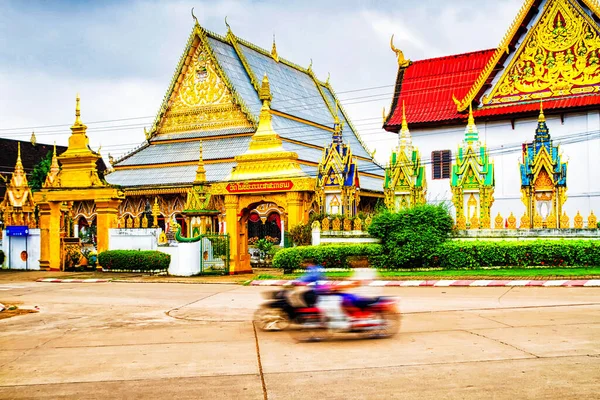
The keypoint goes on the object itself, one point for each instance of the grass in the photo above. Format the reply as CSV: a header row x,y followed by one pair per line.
x,y
505,273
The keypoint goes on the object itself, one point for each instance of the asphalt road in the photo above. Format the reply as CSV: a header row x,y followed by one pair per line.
x,y
179,341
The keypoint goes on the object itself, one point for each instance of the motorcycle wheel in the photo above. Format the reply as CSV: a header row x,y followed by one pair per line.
x,y
389,328
303,330
271,319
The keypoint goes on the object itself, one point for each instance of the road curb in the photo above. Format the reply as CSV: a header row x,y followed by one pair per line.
x,y
459,283
53,280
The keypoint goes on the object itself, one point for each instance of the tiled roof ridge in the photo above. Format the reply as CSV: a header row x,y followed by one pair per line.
x,y
442,58
132,152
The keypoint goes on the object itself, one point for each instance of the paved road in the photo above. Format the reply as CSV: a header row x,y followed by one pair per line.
x,y
134,340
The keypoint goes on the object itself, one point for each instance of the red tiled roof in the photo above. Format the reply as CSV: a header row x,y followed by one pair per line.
x,y
427,87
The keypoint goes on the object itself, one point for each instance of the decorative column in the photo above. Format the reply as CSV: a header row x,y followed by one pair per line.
x,y
49,214
108,211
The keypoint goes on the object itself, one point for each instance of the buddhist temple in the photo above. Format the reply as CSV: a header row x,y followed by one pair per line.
x,y
543,178
405,182
550,52
237,148
472,181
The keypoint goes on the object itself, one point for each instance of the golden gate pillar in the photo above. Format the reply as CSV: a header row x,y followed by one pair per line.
x,y
77,180
49,222
107,214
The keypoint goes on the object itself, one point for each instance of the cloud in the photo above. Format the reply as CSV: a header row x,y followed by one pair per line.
x,y
121,55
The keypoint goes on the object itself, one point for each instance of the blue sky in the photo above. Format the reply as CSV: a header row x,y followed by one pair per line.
x,y
120,55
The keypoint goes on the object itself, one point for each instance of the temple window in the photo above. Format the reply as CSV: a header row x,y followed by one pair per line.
x,y
441,160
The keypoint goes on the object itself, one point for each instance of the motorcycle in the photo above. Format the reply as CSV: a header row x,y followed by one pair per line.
x,y
374,318
281,307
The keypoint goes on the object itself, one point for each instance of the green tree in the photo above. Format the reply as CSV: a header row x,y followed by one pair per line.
x,y
40,170
409,237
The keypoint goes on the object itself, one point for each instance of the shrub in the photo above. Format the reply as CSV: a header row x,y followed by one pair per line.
x,y
301,234
134,260
409,236
481,254
330,256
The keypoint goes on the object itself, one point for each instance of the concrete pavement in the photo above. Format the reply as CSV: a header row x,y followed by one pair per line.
x,y
127,340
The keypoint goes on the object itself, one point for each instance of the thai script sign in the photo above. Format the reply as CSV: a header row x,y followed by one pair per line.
x,y
270,186
17,230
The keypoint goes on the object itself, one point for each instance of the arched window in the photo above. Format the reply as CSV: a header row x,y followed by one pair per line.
x,y
255,226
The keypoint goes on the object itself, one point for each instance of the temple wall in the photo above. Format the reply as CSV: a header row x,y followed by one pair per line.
x,y
583,169
133,239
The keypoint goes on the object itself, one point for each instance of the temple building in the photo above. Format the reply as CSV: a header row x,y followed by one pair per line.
x,y
248,144
550,53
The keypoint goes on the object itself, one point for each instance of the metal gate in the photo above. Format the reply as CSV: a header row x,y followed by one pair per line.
x,y
214,254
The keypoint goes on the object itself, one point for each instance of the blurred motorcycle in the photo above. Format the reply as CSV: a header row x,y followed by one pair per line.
x,y
372,318
280,307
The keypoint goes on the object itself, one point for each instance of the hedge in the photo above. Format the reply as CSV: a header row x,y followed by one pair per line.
x,y
481,254
452,255
1,258
330,256
134,260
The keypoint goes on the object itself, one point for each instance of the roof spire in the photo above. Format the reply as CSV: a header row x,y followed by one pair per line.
x,y
33,139
200,172
77,112
404,139
19,156
274,50
542,117
337,126
264,93
404,123
54,170
471,132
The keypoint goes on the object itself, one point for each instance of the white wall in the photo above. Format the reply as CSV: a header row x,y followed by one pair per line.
x,y
14,245
133,239
583,172
185,258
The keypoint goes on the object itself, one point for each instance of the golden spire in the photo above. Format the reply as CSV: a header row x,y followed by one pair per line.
x,y
266,157
405,141
274,50
383,114
404,123
542,117
471,132
51,178
264,93
77,112
33,139
200,172
19,165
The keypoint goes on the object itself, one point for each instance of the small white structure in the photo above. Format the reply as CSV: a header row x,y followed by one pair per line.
x,y
133,239
22,252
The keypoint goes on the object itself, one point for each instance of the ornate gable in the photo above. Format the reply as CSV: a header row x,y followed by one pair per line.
x,y
200,96
558,57
550,50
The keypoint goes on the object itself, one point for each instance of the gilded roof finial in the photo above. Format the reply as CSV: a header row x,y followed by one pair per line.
x,y
542,117
383,115
404,139
99,148
274,50
402,62
200,172
227,25
33,139
309,66
264,93
111,159
471,132
19,154
193,16
404,123
77,111
328,76
471,118
51,178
